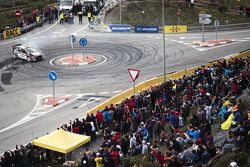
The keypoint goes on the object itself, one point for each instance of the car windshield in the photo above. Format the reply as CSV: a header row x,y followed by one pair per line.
x,y
30,50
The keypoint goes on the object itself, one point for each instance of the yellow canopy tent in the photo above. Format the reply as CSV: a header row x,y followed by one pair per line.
x,y
61,141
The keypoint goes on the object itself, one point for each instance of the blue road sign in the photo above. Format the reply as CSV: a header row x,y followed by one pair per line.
x,y
83,41
52,75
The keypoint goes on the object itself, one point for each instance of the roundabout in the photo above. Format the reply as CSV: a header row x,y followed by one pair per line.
x,y
75,60
89,79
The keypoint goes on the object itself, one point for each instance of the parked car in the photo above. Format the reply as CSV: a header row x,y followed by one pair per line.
x,y
27,53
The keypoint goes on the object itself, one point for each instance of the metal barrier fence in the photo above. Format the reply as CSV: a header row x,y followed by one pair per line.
x,y
29,27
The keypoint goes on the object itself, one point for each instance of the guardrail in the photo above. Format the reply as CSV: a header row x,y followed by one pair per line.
x,y
226,27
29,27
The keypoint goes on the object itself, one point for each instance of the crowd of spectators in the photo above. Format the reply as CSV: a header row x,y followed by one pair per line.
x,y
177,116
155,118
36,17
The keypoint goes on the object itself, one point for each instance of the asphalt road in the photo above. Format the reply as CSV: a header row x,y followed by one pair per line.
x,y
22,84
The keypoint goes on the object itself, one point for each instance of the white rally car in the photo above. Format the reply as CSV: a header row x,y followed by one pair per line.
x,y
27,53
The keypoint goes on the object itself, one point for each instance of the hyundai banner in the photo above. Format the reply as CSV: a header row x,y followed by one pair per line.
x,y
146,29
120,28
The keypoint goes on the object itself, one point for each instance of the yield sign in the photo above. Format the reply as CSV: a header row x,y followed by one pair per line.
x,y
133,73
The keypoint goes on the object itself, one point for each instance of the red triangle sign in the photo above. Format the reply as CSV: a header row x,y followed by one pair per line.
x,y
133,73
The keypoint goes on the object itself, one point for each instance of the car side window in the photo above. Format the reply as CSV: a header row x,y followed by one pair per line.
x,y
23,51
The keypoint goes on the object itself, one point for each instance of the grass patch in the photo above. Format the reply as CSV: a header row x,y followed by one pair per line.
x,y
149,13
7,10
240,158
139,160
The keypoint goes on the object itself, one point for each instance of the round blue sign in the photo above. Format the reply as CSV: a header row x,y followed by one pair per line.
x,y
83,41
52,75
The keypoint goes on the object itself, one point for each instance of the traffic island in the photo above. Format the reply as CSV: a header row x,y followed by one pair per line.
x,y
76,60
49,101
211,43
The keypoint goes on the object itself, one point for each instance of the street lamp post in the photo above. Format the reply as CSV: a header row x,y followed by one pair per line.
x,y
163,34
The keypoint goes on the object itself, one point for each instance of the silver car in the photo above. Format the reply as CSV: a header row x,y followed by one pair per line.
x,y
27,53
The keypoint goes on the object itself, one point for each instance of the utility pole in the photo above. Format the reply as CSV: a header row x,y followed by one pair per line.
x,y
163,40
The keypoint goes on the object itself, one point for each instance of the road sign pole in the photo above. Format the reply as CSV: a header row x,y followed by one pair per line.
x,y
178,20
134,88
203,38
216,33
83,53
163,34
53,89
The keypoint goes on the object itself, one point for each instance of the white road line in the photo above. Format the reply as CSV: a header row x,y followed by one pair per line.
x,y
59,31
31,35
105,59
117,91
80,29
89,101
158,37
28,118
36,113
102,93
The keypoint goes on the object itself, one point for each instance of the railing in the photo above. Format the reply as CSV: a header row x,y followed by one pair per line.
x,y
226,27
29,27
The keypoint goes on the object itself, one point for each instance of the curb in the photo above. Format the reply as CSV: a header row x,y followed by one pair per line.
x,y
212,42
77,64
55,102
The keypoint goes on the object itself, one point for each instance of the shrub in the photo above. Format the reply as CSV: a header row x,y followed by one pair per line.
x,y
222,8
138,160
240,158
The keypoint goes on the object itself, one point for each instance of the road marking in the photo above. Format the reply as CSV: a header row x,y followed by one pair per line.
x,y
102,93
59,31
28,117
80,29
89,101
189,37
52,64
30,35
117,91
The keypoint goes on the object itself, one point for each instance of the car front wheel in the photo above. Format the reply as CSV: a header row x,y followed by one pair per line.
x,y
14,56
28,59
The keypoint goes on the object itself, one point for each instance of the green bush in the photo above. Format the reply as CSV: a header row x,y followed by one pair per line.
x,y
138,160
240,158
222,8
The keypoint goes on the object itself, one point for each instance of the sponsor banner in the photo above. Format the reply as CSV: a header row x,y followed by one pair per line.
x,y
120,28
146,29
11,32
175,29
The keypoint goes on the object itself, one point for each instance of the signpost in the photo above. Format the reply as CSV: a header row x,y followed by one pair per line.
x,y
83,42
72,39
204,19
178,16
134,74
53,76
216,24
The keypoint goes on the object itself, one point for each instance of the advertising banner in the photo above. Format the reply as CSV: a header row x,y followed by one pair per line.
x,y
175,29
11,32
146,29
120,28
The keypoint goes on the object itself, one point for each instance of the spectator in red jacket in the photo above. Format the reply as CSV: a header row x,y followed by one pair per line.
x,y
158,155
99,119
